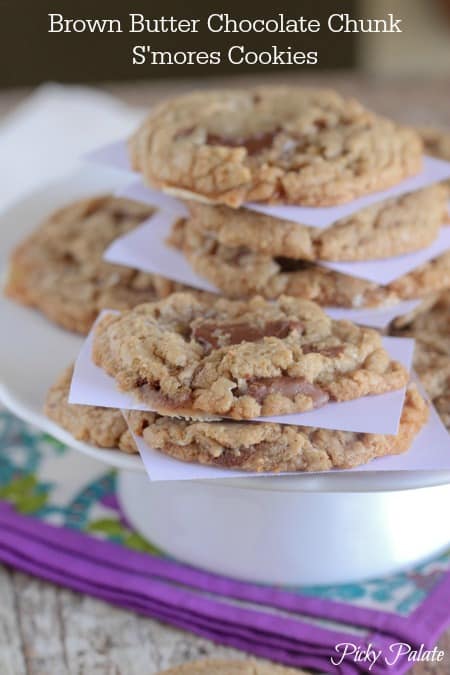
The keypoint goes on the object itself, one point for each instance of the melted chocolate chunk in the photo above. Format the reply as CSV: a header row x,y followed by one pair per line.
x,y
253,144
320,124
291,265
153,397
325,351
214,335
184,133
231,459
119,215
289,387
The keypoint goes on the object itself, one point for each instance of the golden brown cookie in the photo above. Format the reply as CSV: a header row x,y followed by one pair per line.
x,y
398,226
269,447
437,144
436,141
431,330
239,272
183,356
289,145
60,271
103,427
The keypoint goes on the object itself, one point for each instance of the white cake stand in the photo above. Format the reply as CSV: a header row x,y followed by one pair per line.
x,y
305,529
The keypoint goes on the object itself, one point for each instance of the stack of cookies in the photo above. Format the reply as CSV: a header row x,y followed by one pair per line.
x,y
208,374
203,372
242,252
222,151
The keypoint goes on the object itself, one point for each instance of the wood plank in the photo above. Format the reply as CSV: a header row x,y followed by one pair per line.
x,y
12,660
104,640
45,630
41,627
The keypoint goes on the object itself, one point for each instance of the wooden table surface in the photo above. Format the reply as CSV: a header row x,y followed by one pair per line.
x,y
46,630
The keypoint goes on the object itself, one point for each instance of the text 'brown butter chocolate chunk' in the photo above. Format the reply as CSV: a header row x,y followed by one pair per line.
x,y
214,335
290,387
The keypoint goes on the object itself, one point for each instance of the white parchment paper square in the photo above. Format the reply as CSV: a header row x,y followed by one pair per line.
x,y
374,317
145,249
433,171
113,155
387,270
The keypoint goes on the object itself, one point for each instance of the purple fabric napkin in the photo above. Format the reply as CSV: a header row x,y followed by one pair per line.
x,y
267,622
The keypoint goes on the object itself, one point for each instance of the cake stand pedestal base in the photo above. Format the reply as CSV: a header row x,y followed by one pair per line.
x,y
285,536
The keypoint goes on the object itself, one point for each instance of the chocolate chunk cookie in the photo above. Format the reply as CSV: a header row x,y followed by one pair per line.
x,y
398,226
59,268
269,447
431,329
102,427
240,273
183,356
287,145
247,446
437,144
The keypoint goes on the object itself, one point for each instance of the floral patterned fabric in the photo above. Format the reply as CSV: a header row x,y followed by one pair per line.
x,y
46,479
42,479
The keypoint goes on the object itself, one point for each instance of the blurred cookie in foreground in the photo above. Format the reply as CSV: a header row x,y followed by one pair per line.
x,y
431,330
225,667
102,427
59,268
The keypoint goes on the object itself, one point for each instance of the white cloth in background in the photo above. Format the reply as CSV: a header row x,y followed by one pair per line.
x,y
45,137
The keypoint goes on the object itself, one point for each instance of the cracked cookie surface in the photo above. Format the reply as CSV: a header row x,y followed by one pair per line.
x,y
240,273
431,330
182,356
269,447
102,427
287,145
383,230
59,269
